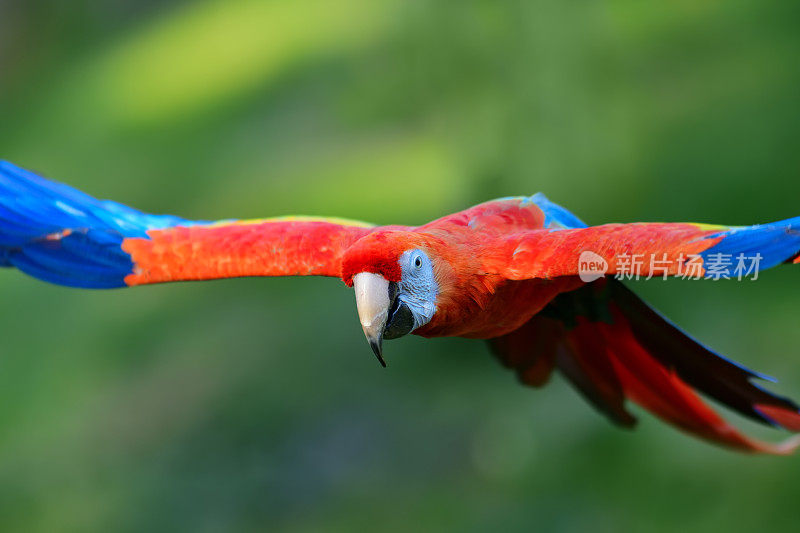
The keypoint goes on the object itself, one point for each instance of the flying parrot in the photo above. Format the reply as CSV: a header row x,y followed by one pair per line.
x,y
523,273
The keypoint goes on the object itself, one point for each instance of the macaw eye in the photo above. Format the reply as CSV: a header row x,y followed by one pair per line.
x,y
418,262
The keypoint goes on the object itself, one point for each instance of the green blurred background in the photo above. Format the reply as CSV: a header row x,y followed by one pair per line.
x,y
256,404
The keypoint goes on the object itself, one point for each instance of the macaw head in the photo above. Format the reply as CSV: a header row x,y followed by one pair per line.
x,y
394,277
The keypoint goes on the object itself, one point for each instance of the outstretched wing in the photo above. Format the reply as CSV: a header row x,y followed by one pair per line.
x,y
648,249
58,234
288,246
613,347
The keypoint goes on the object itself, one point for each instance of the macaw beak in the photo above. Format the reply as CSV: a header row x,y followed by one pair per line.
x,y
372,302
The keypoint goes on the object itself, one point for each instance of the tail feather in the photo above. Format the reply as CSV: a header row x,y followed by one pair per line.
x,y
531,350
665,394
613,346
724,380
586,364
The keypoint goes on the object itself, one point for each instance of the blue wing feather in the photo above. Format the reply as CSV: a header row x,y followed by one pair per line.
x,y
555,216
59,234
776,243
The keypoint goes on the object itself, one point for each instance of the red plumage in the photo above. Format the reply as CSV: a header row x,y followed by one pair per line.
x,y
506,270
504,275
258,248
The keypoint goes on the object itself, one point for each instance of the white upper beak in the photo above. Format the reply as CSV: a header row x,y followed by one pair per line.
x,y
372,302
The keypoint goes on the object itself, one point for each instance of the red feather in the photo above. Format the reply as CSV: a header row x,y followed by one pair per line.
x,y
225,250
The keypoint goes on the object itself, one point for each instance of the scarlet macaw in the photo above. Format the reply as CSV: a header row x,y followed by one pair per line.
x,y
507,270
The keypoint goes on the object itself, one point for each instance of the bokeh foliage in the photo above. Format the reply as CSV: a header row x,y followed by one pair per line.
x,y
253,404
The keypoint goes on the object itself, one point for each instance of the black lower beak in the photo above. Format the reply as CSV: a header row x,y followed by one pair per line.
x,y
400,322
377,348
